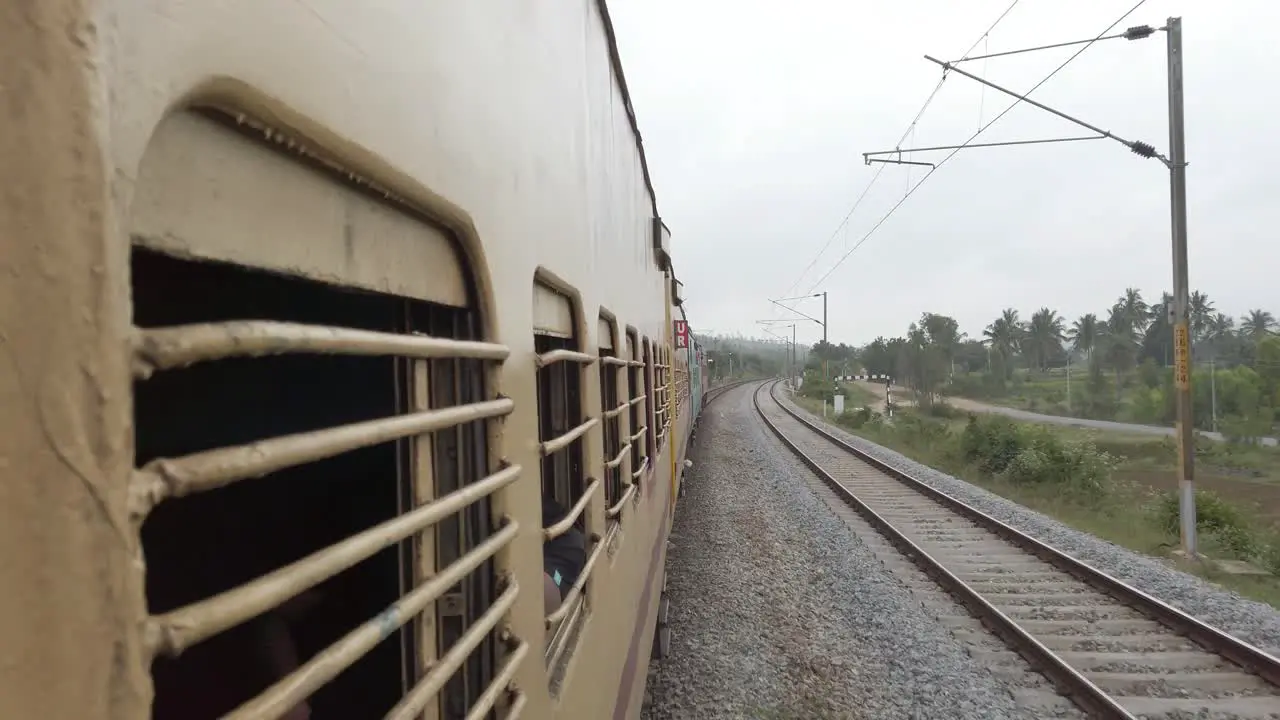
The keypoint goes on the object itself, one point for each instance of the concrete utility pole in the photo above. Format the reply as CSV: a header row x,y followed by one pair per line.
x,y
1181,292
1177,165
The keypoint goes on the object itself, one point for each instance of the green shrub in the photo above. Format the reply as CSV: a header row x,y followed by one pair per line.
x,y
815,387
1226,523
990,443
942,410
855,418
1033,454
921,430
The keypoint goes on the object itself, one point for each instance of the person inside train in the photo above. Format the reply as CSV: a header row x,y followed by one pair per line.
x,y
562,557
216,676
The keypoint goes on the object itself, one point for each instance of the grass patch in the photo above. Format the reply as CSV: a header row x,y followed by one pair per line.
x,y
1116,487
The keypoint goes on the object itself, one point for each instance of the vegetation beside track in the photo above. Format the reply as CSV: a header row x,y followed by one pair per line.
x,y
1099,484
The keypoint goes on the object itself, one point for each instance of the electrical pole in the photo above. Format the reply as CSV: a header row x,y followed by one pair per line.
x,y
824,335
822,322
1181,294
824,316
1177,165
1213,391
1068,381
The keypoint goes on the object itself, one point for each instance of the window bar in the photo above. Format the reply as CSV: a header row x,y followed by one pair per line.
x,y
644,465
560,442
613,360
501,683
578,585
559,528
413,703
516,709
166,478
617,459
555,356
179,346
616,510
336,658
615,412
175,631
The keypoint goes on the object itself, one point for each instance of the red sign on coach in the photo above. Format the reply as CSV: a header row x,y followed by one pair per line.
x,y
682,334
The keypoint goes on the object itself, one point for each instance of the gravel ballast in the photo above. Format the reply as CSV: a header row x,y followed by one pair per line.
x,y
779,611
1248,620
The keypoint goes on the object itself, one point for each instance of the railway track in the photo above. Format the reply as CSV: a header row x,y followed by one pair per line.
x,y
719,390
1112,650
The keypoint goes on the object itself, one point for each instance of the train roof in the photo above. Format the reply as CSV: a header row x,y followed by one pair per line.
x,y
615,59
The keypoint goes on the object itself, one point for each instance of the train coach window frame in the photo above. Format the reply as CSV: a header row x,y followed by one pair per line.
x,y
651,412
637,427
662,424
278,390
667,419
615,451
563,427
196,363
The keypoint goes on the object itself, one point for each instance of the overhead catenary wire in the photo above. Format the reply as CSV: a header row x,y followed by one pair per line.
x,y
910,127
973,137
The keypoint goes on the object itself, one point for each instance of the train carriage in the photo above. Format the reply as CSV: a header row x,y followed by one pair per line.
x,y
304,308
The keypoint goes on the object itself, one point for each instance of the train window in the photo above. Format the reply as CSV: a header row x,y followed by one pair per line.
x,y
666,393
651,413
297,474
616,491
637,427
682,371
662,423
566,490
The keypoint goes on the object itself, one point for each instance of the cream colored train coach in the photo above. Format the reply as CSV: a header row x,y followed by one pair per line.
x,y
304,307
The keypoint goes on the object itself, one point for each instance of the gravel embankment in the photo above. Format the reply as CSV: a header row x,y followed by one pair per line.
x,y
778,611
1251,621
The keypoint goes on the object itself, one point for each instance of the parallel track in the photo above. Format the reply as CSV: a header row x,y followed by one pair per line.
x,y
1113,650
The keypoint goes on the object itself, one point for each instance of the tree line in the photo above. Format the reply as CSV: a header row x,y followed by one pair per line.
x,y
1123,355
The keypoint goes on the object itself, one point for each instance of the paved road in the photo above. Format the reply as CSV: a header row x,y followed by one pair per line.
x,y
1132,428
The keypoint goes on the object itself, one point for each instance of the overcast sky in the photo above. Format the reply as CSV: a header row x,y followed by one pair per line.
x,y
755,115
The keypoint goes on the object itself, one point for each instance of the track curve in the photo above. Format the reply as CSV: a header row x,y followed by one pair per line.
x,y
1115,651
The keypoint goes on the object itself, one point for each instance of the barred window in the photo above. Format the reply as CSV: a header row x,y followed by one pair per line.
x,y
639,412
618,487
314,486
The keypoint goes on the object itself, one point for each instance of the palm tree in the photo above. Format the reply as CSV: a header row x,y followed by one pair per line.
x,y
1219,332
1257,324
1200,312
1134,309
1120,340
1004,335
1084,334
1044,336
1157,341
1160,310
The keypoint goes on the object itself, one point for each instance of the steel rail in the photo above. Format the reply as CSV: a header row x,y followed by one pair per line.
x,y
716,392
1067,679
1212,639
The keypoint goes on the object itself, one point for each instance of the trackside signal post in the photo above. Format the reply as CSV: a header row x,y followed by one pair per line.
x,y
1177,164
